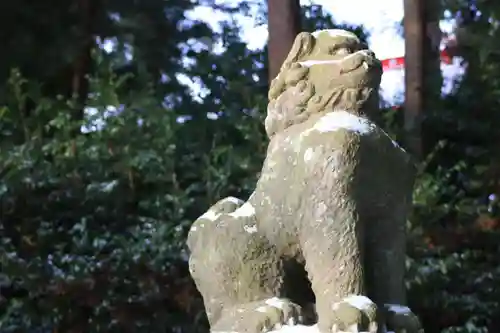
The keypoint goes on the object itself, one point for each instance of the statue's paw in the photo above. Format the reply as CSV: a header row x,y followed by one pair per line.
x,y
400,319
352,314
258,317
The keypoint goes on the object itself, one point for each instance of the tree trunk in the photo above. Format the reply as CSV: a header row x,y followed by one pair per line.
x,y
83,63
283,26
422,67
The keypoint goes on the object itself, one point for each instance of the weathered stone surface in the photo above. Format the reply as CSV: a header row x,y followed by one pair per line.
x,y
326,221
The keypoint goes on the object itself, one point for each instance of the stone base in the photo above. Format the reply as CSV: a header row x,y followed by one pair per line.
x,y
305,329
297,329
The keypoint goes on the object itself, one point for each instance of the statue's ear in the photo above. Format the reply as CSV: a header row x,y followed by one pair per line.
x,y
303,45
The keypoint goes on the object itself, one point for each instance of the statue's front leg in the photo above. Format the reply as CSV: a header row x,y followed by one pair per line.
x,y
386,270
385,257
333,251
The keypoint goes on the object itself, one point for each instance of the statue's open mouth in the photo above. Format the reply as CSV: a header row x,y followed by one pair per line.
x,y
347,62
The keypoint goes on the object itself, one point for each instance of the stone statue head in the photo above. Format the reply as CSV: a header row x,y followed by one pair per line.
x,y
325,71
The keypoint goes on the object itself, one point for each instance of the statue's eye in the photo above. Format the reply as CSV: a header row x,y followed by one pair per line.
x,y
342,51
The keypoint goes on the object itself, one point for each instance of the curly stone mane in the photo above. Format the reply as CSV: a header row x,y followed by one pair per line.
x,y
298,92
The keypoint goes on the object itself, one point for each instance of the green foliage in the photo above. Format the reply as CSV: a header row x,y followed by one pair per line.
x,y
453,257
455,254
91,224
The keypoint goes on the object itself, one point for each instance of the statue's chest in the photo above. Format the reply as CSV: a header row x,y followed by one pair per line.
x,y
283,155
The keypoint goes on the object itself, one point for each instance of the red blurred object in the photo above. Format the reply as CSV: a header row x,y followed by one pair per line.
x,y
399,62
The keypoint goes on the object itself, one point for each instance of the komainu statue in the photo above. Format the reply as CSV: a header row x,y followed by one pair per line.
x,y
326,222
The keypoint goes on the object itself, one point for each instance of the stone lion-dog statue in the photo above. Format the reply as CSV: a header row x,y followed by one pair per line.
x,y
326,222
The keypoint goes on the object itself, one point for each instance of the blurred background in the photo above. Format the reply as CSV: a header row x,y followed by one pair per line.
x,y
123,121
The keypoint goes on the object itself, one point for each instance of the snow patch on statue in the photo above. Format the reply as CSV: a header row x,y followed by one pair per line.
x,y
359,302
251,229
399,309
246,210
335,33
336,120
